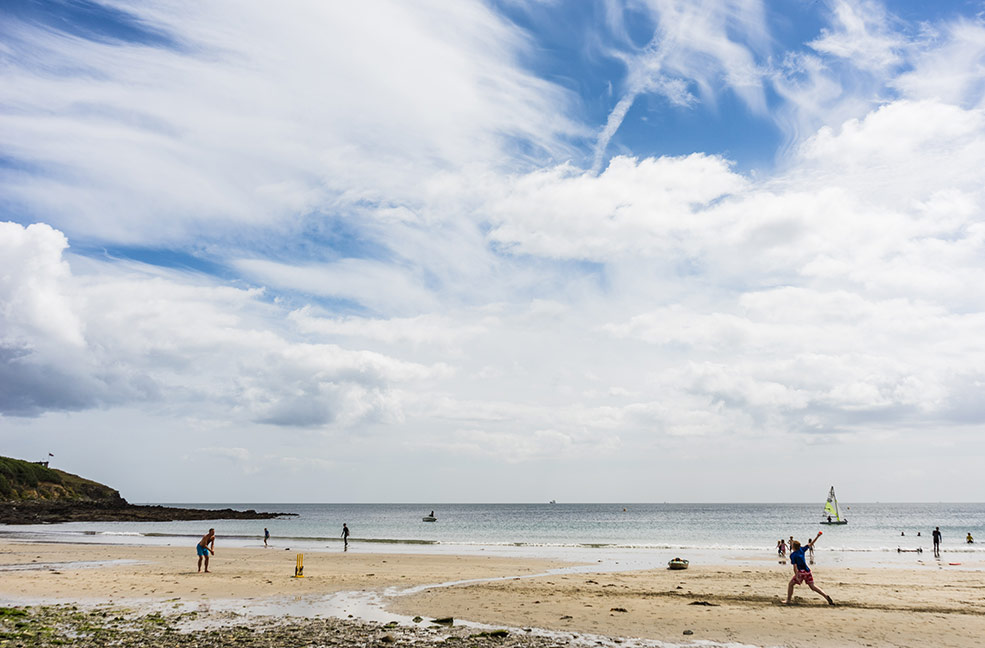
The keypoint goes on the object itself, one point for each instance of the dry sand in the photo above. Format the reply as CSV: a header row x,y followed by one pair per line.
x,y
923,606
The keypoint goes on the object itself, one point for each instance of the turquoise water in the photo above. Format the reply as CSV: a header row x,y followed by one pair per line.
x,y
646,532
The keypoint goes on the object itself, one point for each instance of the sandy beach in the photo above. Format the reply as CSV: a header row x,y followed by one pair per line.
x,y
930,604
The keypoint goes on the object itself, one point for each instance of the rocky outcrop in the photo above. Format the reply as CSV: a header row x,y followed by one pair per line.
x,y
46,512
32,493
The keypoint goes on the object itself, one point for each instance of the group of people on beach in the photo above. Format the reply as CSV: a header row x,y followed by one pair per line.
x,y
782,546
802,573
206,546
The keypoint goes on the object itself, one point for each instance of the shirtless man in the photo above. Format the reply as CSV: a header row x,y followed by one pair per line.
x,y
205,546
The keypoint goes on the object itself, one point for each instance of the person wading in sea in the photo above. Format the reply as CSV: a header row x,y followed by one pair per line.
x,y
801,572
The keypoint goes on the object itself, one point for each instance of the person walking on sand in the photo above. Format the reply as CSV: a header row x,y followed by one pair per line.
x,y
937,542
801,572
266,536
345,535
205,546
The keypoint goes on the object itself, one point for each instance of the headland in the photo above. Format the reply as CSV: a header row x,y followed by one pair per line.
x,y
34,493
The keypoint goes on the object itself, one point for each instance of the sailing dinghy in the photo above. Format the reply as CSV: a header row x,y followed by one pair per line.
x,y
831,513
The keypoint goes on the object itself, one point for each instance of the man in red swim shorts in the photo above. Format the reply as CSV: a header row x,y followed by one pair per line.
x,y
801,572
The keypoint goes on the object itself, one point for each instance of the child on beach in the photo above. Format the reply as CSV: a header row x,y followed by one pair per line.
x,y
801,572
781,548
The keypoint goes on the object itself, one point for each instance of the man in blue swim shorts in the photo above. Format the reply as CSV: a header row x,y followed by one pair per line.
x,y
205,546
801,572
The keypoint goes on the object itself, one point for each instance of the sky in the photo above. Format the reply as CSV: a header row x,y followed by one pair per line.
x,y
495,251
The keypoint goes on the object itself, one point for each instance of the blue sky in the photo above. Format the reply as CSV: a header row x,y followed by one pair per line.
x,y
514,241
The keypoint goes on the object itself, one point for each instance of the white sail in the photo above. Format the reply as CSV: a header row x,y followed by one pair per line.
x,y
831,506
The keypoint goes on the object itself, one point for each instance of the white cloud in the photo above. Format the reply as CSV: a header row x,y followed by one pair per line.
x,y
171,341
257,117
633,207
862,33
949,67
376,285
420,330
33,299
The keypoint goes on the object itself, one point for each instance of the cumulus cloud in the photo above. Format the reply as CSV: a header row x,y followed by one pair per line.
x,y
633,207
42,338
170,340
34,299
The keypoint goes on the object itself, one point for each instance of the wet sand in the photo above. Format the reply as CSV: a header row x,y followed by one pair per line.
x,y
236,573
928,605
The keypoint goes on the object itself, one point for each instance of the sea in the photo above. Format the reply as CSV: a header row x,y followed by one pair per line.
x,y
616,535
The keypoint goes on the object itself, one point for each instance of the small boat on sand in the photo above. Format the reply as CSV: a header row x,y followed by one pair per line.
x,y
677,563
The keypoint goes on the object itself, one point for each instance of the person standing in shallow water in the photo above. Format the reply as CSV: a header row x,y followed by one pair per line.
x,y
345,535
937,541
266,536
801,572
206,545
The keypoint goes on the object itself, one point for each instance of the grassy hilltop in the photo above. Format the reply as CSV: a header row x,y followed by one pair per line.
x,y
22,481
34,494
